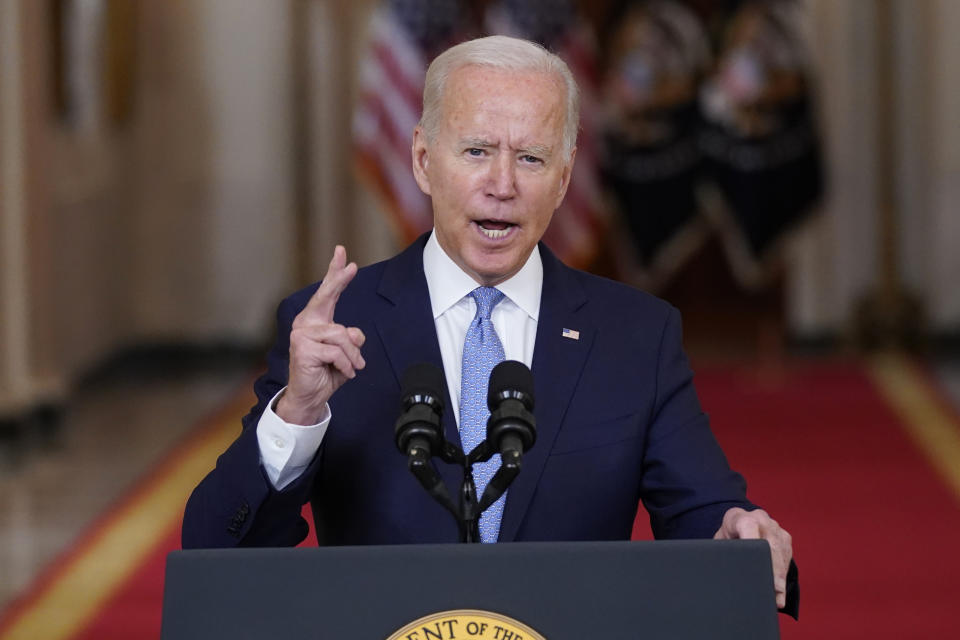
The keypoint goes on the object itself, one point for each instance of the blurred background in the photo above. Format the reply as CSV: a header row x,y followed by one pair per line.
x,y
785,172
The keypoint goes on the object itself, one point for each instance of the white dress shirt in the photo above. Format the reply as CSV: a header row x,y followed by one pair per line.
x,y
287,449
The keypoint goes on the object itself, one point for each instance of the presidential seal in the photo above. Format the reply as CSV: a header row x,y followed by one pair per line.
x,y
470,624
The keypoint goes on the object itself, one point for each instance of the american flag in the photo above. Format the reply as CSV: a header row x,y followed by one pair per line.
x,y
579,225
404,36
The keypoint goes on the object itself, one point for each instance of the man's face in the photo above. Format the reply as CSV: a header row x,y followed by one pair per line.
x,y
496,170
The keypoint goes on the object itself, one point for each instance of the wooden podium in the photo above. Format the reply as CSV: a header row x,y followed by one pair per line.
x,y
558,591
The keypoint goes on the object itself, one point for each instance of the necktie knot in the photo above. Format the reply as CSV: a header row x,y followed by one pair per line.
x,y
486,299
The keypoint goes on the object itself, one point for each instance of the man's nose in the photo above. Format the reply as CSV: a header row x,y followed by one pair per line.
x,y
502,182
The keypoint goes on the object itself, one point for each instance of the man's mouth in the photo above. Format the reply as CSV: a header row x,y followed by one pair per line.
x,y
494,229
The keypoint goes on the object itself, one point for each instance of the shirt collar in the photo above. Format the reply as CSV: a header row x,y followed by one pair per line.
x,y
448,283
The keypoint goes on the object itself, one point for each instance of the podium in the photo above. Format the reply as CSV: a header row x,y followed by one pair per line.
x,y
557,590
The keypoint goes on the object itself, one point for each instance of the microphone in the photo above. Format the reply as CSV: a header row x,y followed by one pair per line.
x,y
419,431
512,428
419,427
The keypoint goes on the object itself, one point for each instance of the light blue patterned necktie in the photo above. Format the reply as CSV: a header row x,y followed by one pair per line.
x,y
481,352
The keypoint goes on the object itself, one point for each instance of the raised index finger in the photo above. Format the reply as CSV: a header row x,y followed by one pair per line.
x,y
321,306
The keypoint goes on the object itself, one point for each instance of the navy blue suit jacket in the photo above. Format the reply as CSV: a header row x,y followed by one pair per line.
x,y
617,416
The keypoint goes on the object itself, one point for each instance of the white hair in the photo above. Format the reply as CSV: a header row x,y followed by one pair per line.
x,y
502,53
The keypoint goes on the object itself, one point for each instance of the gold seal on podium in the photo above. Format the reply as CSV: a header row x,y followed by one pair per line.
x,y
471,624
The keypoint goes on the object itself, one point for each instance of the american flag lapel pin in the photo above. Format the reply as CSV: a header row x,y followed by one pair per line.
x,y
570,333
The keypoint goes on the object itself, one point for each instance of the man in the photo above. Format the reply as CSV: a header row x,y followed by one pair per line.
x,y
617,415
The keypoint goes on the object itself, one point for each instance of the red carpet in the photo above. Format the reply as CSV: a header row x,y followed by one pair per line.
x,y
875,529
874,525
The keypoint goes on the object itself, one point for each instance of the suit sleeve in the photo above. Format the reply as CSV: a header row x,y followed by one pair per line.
x,y
687,483
235,504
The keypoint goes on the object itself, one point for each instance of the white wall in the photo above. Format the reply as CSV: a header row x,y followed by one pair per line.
x,y
836,262
944,184
835,257
342,210
213,200
246,60
175,225
14,342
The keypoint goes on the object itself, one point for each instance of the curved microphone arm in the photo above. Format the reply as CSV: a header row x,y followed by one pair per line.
x,y
419,463
510,464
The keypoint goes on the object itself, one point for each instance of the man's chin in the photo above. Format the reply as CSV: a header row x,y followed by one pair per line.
x,y
490,273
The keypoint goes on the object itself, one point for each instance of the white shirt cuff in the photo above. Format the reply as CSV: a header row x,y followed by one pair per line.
x,y
287,449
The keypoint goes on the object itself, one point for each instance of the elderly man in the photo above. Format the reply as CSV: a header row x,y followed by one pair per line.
x,y
617,415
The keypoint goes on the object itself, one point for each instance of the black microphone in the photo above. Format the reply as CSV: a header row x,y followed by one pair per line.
x,y
511,429
419,426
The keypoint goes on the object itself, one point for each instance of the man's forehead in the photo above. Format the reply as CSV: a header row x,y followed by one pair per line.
x,y
471,72
474,86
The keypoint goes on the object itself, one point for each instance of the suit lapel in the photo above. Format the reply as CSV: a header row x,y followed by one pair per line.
x,y
557,364
409,334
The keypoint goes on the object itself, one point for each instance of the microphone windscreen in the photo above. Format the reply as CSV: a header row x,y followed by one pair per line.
x,y
422,379
511,376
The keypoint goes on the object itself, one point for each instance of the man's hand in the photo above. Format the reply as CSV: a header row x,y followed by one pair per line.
x,y
741,524
323,354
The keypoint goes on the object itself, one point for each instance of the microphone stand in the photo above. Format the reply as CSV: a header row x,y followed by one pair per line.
x,y
467,512
471,507
510,463
510,432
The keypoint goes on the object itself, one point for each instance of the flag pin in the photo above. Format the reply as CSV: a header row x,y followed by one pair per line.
x,y
571,333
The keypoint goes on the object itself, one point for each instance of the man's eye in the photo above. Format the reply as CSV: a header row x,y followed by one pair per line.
x,y
529,159
475,152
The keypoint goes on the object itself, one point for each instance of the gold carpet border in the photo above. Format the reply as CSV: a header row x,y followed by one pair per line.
x,y
122,543
930,423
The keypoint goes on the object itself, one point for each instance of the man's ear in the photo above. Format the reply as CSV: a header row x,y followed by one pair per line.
x,y
421,160
565,177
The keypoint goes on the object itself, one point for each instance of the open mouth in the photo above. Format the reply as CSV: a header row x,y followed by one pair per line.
x,y
494,229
